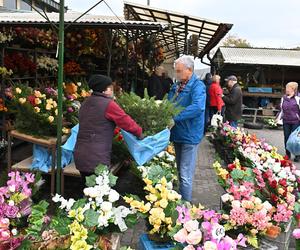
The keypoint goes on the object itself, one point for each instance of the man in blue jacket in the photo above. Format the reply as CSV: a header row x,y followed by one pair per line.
x,y
189,93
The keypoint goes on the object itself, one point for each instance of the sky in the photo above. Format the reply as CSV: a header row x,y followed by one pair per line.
x,y
263,23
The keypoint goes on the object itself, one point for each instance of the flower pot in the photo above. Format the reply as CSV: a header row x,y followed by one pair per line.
x,y
159,238
147,244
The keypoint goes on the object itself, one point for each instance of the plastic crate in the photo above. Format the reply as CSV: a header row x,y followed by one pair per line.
x,y
146,244
259,90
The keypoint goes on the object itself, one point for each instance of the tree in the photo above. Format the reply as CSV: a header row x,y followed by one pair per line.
x,y
234,41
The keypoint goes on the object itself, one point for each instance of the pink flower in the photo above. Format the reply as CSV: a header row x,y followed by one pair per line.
x,y
29,177
194,237
296,233
4,234
11,211
210,245
191,225
181,236
283,214
4,223
189,247
238,215
260,220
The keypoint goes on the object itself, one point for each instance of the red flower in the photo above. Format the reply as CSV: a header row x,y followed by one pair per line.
x,y
31,100
117,130
274,198
231,167
120,138
273,184
282,182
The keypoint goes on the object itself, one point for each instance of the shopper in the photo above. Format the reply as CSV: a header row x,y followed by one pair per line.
x,y
290,113
207,81
216,104
189,93
98,116
233,101
155,85
167,82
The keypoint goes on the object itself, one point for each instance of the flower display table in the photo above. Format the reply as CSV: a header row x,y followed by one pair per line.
x,y
50,143
146,244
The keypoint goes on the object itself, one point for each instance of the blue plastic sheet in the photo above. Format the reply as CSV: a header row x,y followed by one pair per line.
x,y
71,142
144,150
293,143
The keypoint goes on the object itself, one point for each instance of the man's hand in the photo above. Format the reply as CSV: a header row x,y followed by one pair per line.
x,y
171,124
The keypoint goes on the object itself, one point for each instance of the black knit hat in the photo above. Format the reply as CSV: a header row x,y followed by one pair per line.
x,y
99,83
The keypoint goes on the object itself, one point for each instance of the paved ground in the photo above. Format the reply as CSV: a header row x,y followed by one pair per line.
x,y
206,189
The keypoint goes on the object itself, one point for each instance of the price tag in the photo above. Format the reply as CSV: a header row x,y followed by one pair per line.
x,y
218,232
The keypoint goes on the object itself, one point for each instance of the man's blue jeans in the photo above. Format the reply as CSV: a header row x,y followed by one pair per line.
x,y
186,156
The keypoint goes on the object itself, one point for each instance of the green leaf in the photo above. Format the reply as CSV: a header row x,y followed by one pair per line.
x,y
297,207
79,203
25,245
252,240
131,220
92,238
90,181
112,179
91,218
60,225
100,169
237,174
228,227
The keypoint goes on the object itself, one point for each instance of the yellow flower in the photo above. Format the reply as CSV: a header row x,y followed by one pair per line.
x,y
170,228
50,101
223,173
66,130
18,90
163,181
37,101
128,199
48,106
163,203
56,112
37,94
37,109
22,100
147,181
136,204
54,104
50,118
72,213
151,197
168,220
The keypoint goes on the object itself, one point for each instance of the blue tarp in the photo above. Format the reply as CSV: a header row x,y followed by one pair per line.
x,y
293,143
141,150
144,150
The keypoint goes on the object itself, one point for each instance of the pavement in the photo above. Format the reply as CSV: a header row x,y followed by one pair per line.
x,y
206,189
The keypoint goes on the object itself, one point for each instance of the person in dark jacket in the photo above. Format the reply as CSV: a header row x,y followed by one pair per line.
x,y
167,82
155,86
207,81
98,116
290,113
233,101
188,93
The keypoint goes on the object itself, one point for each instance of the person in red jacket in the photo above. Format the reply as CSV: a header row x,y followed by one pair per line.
x,y
98,117
215,94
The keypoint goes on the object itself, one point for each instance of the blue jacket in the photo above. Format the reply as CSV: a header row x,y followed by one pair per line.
x,y
189,124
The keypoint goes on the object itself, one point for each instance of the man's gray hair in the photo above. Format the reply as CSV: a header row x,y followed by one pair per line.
x,y
187,61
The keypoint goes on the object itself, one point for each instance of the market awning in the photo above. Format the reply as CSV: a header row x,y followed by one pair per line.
x,y
257,56
175,39
33,18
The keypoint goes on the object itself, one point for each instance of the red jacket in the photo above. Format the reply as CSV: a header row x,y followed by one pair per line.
x,y
215,96
116,114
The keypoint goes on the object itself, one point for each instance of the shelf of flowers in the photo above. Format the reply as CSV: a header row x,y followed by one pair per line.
x,y
262,188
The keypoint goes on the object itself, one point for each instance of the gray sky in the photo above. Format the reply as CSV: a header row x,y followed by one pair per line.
x,y
264,23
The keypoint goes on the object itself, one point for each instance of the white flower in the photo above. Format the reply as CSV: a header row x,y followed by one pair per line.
x,y
236,204
79,84
276,167
282,174
11,203
70,204
209,245
267,205
102,221
191,225
12,188
106,206
91,192
297,172
14,232
226,197
113,196
56,198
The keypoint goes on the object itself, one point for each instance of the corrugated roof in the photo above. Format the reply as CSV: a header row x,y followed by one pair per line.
x,y
35,18
174,39
262,56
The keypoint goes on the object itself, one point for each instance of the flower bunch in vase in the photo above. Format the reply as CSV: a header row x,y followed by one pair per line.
x,y
47,64
20,63
159,209
6,35
73,68
15,207
201,229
